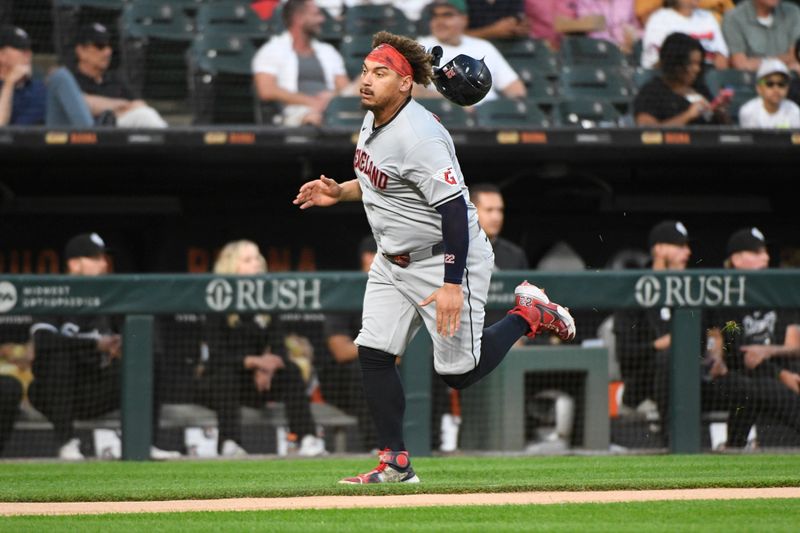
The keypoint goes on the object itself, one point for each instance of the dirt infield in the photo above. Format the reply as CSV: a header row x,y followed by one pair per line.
x,y
414,500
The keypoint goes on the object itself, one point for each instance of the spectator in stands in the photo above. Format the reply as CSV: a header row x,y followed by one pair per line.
x,y
745,369
678,96
489,202
546,17
756,29
448,22
296,70
105,90
242,368
621,25
771,109
645,8
497,19
643,337
25,99
10,396
683,16
340,375
76,365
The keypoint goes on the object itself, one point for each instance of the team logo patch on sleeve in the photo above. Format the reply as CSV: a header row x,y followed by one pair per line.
x,y
446,175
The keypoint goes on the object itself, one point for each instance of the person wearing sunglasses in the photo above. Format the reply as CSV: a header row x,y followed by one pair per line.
x,y
107,94
771,109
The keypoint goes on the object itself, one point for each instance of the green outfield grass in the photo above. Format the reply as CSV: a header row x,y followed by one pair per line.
x,y
724,516
110,481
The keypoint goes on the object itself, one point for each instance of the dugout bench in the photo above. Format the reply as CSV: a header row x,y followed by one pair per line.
x,y
180,416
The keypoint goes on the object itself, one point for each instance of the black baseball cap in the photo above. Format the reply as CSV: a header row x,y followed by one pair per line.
x,y
14,37
85,245
668,232
94,33
746,240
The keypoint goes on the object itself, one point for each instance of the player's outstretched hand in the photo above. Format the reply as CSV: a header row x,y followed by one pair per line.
x,y
449,300
323,192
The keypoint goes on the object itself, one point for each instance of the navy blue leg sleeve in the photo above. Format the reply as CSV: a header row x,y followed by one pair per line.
x,y
383,391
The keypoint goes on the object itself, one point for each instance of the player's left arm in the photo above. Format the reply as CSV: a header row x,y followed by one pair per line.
x,y
431,167
455,235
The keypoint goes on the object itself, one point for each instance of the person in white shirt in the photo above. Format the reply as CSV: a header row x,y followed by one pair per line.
x,y
298,71
448,23
683,16
771,109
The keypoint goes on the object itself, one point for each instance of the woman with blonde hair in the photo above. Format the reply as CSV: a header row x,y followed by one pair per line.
x,y
242,368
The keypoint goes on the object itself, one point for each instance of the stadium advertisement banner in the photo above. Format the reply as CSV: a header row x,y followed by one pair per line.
x,y
305,292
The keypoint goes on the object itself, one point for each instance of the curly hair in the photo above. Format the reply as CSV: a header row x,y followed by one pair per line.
x,y
420,60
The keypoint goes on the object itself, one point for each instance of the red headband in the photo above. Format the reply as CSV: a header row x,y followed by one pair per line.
x,y
388,56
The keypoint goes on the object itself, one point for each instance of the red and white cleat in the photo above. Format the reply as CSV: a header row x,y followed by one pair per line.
x,y
539,312
395,467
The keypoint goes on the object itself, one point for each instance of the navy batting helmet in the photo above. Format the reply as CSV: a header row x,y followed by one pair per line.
x,y
464,80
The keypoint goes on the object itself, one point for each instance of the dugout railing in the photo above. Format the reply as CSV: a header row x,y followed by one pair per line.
x,y
140,297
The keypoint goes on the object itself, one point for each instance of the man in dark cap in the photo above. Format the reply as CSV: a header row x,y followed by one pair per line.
x,y
25,100
643,337
105,90
76,365
669,245
751,366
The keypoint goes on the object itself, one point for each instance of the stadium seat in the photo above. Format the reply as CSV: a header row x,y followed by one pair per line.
x,y
741,81
588,51
423,25
233,18
530,58
641,76
113,5
635,57
155,38
220,79
739,99
503,113
585,81
530,68
544,94
587,113
451,115
367,19
344,112
522,47
354,49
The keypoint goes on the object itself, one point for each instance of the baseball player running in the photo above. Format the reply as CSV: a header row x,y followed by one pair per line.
x,y
434,262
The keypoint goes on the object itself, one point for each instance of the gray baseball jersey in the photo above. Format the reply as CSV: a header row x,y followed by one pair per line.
x,y
406,168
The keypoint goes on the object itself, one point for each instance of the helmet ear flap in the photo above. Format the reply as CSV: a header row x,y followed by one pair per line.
x,y
464,80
